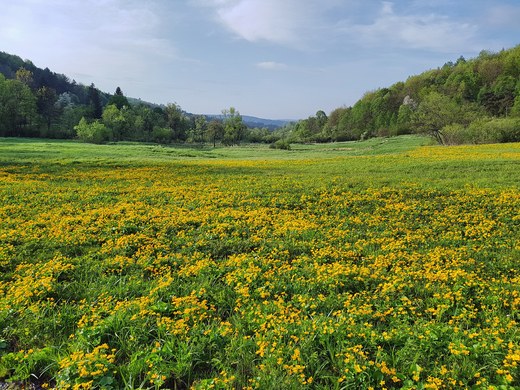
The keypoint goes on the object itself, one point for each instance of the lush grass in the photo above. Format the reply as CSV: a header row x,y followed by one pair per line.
x,y
20,150
385,264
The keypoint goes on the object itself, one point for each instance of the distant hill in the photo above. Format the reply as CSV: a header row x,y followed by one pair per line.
x,y
253,121
10,63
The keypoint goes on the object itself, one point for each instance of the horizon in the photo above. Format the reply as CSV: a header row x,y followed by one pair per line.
x,y
267,59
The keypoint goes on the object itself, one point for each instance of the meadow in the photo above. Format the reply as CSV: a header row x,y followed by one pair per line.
x,y
387,263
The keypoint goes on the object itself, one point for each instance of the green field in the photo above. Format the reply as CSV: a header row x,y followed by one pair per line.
x,y
387,263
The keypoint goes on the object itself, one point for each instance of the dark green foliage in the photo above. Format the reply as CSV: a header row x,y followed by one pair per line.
x,y
96,109
118,99
10,64
46,105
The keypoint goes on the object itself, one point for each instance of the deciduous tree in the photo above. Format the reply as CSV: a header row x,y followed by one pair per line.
x,y
215,131
233,126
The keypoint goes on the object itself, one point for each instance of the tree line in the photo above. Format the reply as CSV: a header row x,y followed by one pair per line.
x,y
30,111
36,102
467,101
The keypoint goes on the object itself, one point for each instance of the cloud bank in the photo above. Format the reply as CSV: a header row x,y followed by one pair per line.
x,y
428,31
304,24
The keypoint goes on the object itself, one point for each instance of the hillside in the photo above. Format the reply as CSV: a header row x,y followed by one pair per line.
x,y
61,84
452,103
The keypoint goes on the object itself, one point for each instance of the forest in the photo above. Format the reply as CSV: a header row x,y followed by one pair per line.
x,y
466,101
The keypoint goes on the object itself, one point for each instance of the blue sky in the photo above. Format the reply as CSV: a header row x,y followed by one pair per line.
x,y
280,59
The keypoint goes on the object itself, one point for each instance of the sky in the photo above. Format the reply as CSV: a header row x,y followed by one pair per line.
x,y
276,59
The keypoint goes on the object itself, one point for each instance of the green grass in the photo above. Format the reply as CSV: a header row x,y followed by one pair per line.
x,y
31,150
380,161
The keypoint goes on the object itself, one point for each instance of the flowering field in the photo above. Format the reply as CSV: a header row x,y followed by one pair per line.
x,y
336,269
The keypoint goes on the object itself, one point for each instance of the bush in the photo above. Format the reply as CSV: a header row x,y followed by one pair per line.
x,y
162,135
281,144
495,130
457,134
484,131
507,129
95,132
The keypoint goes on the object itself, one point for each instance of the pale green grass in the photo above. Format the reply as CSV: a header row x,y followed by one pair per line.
x,y
32,150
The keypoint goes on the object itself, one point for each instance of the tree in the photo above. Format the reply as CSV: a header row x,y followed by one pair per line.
x,y
46,103
18,111
176,121
118,99
337,127
114,119
199,130
435,112
66,99
500,97
257,135
144,120
95,132
321,118
515,110
25,76
233,126
404,117
215,131
69,118
96,109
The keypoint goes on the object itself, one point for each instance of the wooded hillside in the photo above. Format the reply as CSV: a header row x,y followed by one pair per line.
x,y
475,100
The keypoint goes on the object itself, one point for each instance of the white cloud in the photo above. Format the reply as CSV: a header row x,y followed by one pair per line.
x,y
429,32
108,39
271,65
270,20
291,23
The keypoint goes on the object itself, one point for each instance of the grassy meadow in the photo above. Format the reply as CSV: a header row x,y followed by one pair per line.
x,y
388,263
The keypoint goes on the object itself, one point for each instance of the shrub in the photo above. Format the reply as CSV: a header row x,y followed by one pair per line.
x,y
495,130
281,144
162,135
483,131
456,134
95,132
508,129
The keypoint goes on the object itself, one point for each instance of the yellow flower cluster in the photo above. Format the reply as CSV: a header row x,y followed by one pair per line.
x,y
244,273
87,367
